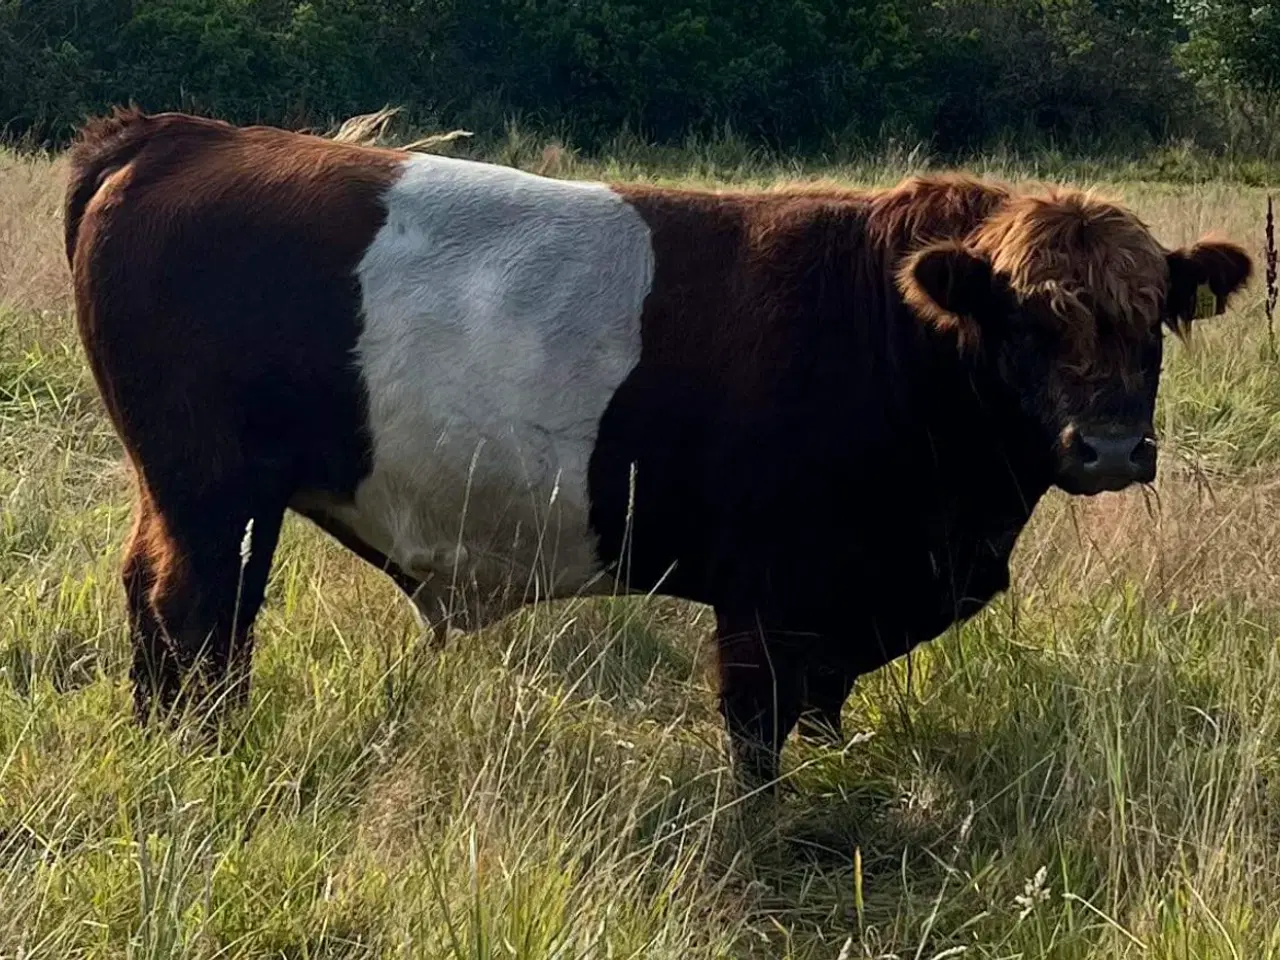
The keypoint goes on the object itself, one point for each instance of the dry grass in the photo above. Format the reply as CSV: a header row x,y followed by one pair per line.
x,y
33,271
1087,770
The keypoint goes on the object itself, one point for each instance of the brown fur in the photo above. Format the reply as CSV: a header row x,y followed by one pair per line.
x,y
911,271
1093,264
209,264
786,320
812,457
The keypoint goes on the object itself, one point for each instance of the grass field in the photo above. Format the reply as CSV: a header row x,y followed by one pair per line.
x,y
1089,769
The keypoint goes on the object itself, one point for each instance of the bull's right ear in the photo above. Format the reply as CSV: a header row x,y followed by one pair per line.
x,y
951,286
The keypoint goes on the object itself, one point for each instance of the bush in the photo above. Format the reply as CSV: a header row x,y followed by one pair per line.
x,y
1077,70
781,71
1234,55
789,73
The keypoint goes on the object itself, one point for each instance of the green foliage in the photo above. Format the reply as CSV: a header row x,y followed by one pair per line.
x,y
1082,70
1239,40
787,72
1234,55
781,69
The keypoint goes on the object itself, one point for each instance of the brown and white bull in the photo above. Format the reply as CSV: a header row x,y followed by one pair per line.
x,y
826,413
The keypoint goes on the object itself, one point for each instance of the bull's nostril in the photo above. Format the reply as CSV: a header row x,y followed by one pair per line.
x,y
1084,451
1112,456
1144,452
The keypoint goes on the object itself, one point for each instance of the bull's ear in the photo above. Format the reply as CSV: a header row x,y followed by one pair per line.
x,y
1201,280
952,286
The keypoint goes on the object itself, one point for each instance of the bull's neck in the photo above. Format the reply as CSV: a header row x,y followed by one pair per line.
x,y
974,446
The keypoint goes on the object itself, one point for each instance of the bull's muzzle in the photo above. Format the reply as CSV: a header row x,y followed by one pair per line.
x,y
1107,459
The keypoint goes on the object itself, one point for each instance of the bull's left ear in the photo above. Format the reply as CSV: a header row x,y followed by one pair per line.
x,y
952,286
1201,280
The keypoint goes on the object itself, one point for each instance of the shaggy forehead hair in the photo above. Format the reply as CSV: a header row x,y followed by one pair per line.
x,y
1088,259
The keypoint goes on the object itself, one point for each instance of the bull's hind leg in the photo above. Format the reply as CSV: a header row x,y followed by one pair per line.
x,y
154,672
196,573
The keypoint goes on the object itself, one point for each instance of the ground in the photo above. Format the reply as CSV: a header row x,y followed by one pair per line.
x,y
1086,770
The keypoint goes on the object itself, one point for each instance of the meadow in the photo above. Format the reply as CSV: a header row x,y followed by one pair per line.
x,y
1090,768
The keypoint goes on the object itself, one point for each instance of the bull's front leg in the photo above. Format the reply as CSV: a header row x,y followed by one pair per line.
x,y
826,687
760,695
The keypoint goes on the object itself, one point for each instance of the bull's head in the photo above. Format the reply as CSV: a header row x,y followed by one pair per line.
x,y
1066,299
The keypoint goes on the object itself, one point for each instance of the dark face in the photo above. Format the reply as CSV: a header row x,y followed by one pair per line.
x,y
1092,416
1079,383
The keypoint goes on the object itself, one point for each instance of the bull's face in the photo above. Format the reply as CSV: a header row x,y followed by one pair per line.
x,y
1065,299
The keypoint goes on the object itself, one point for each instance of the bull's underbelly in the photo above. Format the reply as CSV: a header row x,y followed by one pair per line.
x,y
483,540
482,536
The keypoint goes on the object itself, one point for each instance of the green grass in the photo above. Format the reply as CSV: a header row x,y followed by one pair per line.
x,y
1089,769
730,158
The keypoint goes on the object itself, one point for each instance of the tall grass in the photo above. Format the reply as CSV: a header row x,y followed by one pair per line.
x,y
1089,769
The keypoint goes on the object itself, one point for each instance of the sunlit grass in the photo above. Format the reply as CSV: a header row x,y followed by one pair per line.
x,y
1087,770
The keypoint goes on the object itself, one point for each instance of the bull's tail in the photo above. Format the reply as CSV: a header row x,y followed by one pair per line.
x,y
103,145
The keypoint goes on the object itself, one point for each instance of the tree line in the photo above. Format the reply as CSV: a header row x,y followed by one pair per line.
x,y
796,74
